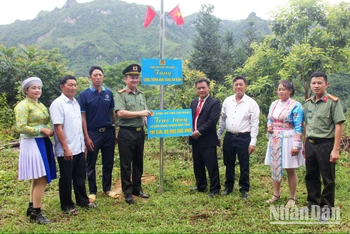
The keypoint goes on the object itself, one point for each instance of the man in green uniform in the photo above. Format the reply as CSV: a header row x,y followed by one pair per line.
x,y
131,109
323,124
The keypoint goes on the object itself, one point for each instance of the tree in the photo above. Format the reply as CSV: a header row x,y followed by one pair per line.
x,y
313,37
262,72
207,46
9,72
180,96
7,116
302,61
25,61
243,48
250,37
48,65
296,22
227,55
339,84
113,75
82,83
308,35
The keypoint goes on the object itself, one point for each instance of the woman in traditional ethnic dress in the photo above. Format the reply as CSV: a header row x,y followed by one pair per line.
x,y
36,159
285,128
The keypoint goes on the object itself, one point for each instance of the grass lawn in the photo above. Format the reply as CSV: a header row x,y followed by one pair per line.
x,y
176,209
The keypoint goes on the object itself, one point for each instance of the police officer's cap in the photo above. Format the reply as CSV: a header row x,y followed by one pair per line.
x,y
133,69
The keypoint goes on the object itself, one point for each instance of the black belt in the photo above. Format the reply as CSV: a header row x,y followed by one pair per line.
x,y
239,133
103,129
136,129
319,140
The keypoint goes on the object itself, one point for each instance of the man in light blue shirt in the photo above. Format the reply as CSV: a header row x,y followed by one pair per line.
x,y
69,147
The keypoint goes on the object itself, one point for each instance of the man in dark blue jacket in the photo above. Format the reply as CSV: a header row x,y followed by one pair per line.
x,y
205,115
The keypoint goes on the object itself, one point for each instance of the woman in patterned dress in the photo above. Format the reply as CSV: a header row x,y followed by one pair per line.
x,y
36,159
285,128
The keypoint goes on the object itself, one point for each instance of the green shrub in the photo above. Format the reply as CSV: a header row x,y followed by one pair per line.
x,y
7,132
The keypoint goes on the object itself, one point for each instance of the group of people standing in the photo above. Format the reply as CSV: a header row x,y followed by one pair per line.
x,y
81,128
298,135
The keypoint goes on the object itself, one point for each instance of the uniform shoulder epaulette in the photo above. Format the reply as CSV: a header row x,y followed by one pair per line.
x,y
121,91
141,92
333,98
309,99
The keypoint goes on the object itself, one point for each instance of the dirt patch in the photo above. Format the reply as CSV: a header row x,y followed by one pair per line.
x,y
145,180
199,216
187,182
148,178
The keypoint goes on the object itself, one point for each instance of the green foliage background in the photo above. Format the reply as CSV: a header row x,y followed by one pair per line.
x,y
305,36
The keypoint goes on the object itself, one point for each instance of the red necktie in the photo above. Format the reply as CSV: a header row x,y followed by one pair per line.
x,y
197,114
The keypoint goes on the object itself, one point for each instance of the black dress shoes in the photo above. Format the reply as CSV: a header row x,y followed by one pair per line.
x,y
129,199
245,195
196,189
226,191
212,194
140,194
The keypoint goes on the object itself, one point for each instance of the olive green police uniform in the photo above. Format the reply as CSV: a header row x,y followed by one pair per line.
x,y
131,138
321,118
126,100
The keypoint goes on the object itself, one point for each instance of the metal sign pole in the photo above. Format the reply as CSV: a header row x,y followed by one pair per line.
x,y
161,43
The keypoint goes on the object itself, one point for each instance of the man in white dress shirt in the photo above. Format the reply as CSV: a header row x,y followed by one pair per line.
x,y
70,147
240,118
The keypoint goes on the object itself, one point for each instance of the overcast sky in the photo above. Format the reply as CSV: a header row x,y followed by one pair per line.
x,y
10,10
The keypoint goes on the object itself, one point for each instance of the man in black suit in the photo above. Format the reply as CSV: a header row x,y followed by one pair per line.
x,y
205,115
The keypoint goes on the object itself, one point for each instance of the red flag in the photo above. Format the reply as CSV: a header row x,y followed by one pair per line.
x,y
177,16
149,16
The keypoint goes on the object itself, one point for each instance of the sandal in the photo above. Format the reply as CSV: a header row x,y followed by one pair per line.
x,y
290,203
73,211
273,199
112,194
92,197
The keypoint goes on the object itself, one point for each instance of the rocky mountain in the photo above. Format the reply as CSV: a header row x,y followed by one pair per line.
x,y
106,32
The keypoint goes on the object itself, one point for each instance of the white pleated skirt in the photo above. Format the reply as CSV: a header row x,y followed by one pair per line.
x,y
31,163
288,161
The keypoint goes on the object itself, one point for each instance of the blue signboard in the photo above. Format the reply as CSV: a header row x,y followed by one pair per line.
x,y
170,123
161,71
